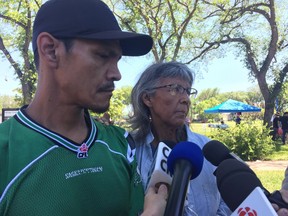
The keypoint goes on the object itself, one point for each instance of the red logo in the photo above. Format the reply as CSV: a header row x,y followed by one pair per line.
x,y
83,148
247,211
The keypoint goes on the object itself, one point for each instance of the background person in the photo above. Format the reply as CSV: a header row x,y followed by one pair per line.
x,y
223,125
160,102
54,158
283,120
275,125
238,119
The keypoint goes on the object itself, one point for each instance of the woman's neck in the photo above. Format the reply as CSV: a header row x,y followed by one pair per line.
x,y
162,133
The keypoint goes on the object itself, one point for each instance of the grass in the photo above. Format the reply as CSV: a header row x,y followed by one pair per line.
x,y
271,180
280,154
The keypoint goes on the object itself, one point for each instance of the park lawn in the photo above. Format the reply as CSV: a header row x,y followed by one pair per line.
x,y
280,154
271,180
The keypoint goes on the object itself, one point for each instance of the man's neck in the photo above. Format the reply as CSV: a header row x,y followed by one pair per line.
x,y
64,120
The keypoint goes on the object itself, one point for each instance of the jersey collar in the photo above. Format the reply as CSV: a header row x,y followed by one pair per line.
x,y
23,118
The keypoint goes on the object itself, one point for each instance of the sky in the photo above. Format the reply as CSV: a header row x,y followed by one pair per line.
x,y
226,73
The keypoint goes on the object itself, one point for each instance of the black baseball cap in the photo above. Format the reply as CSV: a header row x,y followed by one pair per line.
x,y
87,19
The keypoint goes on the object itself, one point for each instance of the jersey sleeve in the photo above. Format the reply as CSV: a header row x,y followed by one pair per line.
x,y
137,191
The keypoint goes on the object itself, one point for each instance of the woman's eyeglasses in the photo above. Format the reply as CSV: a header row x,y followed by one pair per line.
x,y
175,89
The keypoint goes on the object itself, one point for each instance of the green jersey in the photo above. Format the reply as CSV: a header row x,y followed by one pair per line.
x,y
43,173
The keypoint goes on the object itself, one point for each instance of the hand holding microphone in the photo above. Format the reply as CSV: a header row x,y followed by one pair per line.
x,y
155,201
282,211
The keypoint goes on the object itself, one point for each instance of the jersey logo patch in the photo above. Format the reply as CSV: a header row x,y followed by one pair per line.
x,y
82,151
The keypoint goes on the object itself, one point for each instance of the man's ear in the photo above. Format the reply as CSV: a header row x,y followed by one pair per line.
x,y
146,99
47,48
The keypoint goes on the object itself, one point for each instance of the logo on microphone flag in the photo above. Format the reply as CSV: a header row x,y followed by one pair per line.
x,y
247,211
256,204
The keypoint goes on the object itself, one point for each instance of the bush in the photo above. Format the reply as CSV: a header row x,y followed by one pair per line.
x,y
250,140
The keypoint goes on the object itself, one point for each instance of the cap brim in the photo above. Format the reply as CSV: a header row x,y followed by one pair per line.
x,y
132,44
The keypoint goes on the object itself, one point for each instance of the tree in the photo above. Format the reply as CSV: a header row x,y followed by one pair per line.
x,y
282,99
191,31
170,23
200,106
265,51
16,18
208,93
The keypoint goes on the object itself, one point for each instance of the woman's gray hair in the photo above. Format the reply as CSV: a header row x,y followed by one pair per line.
x,y
149,79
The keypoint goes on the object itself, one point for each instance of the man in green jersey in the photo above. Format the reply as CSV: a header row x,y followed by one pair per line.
x,y
54,158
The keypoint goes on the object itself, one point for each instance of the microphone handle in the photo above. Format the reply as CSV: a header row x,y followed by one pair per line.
x,y
177,192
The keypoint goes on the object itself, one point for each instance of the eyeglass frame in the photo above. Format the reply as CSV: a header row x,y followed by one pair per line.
x,y
181,89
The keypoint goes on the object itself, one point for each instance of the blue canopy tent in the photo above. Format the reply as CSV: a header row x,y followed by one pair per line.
x,y
232,106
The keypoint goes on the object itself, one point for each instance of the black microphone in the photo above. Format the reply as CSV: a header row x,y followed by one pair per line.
x,y
184,162
236,181
216,152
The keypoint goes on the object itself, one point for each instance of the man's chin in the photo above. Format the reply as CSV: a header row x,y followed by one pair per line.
x,y
98,109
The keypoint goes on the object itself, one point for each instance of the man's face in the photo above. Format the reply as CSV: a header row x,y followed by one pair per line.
x,y
87,73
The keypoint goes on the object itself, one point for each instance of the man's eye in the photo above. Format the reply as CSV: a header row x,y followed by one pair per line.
x,y
101,55
104,56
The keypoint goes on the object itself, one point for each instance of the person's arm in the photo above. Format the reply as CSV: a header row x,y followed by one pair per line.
x,y
155,201
279,123
285,180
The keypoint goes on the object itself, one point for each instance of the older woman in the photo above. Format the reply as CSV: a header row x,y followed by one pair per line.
x,y
161,101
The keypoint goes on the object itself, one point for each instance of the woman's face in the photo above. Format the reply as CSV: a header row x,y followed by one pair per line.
x,y
167,106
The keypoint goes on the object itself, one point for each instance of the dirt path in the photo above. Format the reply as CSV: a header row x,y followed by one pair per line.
x,y
268,165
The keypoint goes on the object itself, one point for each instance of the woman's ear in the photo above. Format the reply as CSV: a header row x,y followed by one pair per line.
x,y
47,48
146,98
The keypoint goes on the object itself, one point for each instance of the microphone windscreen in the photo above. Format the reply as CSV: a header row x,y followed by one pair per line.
x,y
216,152
235,181
186,151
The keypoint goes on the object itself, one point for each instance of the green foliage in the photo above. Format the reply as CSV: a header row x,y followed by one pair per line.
x,y
125,92
283,98
250,140
205,104
119,105
8,102
208,93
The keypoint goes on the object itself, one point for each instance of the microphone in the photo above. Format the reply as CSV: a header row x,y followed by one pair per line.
x,y
184,163
159,171
216,152
242,191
